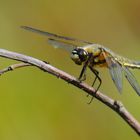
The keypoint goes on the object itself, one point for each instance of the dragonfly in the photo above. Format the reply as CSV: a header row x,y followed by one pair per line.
x,y
91,55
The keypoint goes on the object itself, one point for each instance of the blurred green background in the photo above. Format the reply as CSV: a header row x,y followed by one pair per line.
x,y
37,106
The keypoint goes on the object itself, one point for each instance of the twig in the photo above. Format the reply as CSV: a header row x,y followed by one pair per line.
x,y
13,67
117,106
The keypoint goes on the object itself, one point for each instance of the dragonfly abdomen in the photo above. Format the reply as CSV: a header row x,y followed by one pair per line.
x,y
127,62
133,64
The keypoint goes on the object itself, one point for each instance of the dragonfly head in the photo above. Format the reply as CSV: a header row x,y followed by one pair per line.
x,y
79,55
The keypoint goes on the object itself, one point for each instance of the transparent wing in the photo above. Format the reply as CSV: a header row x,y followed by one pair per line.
x,y
132,80
60,44
115,70
51,35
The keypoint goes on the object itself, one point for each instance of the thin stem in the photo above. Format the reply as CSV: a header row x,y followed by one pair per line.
x,y
13,67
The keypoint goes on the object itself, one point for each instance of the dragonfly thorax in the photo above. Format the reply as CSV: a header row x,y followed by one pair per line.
x,y
79,55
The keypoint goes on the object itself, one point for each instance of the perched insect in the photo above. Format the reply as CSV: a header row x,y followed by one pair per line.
x,y
94,55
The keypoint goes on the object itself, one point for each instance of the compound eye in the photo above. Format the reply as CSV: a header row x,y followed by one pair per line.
x,y
79,55
74,56
74,52
83,55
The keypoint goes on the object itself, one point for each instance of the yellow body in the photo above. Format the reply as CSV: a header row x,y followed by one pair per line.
x,y
101,54
98,56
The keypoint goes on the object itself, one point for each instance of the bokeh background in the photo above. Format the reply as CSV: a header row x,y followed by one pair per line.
x,y
38,106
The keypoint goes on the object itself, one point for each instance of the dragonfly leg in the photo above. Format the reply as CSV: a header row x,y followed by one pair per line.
x,y
82,76
97,77
97,74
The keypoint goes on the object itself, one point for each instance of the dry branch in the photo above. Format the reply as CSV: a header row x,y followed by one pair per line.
x,y
117,106
13,67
